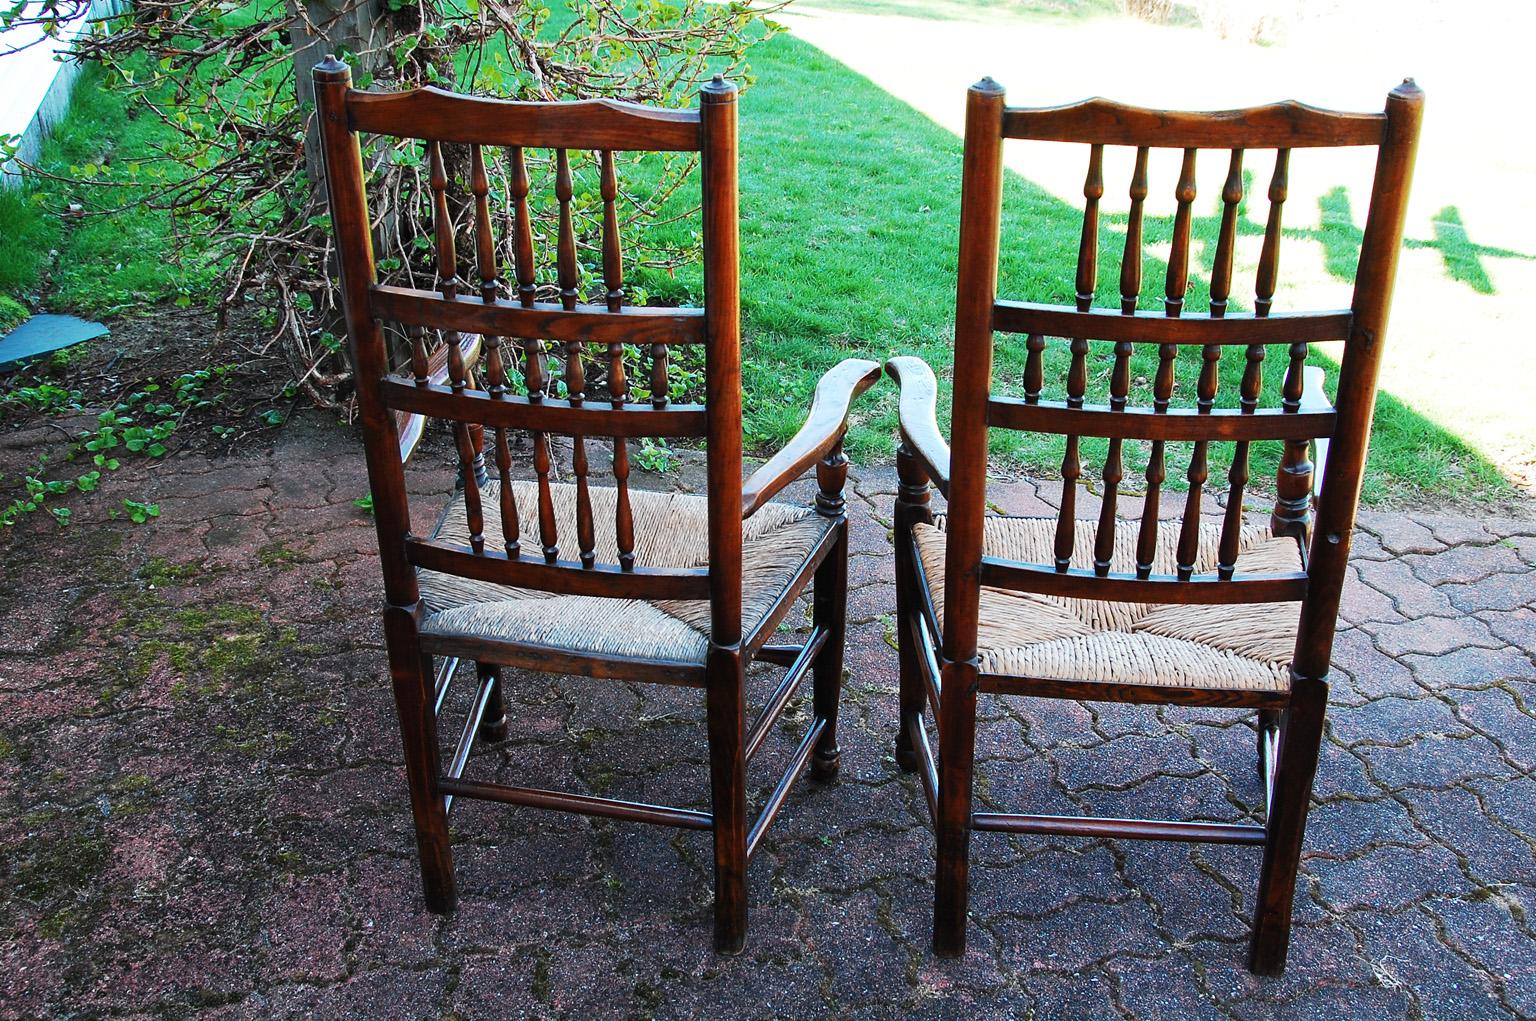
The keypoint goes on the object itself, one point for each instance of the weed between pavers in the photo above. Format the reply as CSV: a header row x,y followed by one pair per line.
x,y
279,555
139,423
227,649
159,572
46,870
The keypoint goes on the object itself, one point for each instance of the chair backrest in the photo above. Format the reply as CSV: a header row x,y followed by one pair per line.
x,y
517,387
979,312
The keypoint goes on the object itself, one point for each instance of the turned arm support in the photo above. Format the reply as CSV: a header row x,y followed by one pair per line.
x,y
918,417
821,434
1314,399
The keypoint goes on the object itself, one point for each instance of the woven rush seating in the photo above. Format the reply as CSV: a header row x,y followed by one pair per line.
x,y
1244,646
671,532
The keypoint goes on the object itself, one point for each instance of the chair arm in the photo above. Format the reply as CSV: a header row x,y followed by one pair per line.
x,y
412,425
820,435
1314,399
918,417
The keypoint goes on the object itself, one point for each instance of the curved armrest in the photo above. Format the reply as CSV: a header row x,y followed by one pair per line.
x,y
411,425
822,431
1314,399
919,421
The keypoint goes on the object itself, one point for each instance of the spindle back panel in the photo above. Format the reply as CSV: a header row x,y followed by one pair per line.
x,y
1143,386
562,353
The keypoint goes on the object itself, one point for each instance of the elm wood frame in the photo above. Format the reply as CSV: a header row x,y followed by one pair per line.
x,y
446,388
940,666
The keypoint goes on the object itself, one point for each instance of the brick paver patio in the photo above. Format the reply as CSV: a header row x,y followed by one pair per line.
x,y
204,812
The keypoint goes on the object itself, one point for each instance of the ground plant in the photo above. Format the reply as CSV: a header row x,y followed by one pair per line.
x,y
231,175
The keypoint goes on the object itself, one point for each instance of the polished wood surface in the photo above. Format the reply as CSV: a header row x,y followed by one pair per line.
x,y
945,675
823,429
1105,122
920,436
490,359
433,113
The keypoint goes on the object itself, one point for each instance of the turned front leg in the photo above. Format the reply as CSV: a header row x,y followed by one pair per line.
x,y
829,609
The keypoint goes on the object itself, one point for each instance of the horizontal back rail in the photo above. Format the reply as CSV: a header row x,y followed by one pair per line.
x,y
1150,424
1288,125
439,115
547,415
1076,583
543,320
1157,328
562,576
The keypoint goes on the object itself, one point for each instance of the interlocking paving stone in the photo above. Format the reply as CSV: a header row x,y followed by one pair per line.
x,y
1517,627
1488,847
1487,934
205,813
1433,636
1361,673
1391,720
1472,668
1510,591
1399,533
1462,564
1407,952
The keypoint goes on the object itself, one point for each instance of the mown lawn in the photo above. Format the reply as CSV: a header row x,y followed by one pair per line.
x,y
850,248
850,201
116,256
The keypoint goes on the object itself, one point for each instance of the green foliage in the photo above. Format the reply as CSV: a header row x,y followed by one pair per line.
x,y
138,424
654,455
27,234
187,155
138,512
122,248
12,313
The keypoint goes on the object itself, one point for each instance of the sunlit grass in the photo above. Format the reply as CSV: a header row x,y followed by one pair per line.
x,y
850,201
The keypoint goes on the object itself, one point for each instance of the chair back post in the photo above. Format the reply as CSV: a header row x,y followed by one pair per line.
x,y
1356,403
722,305
344,185
981,207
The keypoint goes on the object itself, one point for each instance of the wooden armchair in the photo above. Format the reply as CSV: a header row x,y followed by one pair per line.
x,y
669,588
1179,611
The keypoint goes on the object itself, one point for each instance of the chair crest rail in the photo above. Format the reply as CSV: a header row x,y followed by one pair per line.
x,y
443,116
1289,125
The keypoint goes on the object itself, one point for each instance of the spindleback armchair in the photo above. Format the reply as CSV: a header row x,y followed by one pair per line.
x,y
580,577
1181,611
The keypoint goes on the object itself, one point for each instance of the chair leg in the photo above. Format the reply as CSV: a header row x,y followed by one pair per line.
x,y
1301,733
493,725
957,752
411,674
829,611
911,507
724,697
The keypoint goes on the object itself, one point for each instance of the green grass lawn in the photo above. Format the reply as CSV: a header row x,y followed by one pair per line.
x,y
850,203
116,256
850,248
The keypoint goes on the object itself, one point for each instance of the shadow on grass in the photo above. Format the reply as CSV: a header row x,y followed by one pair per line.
x,y
1463,258
850,203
